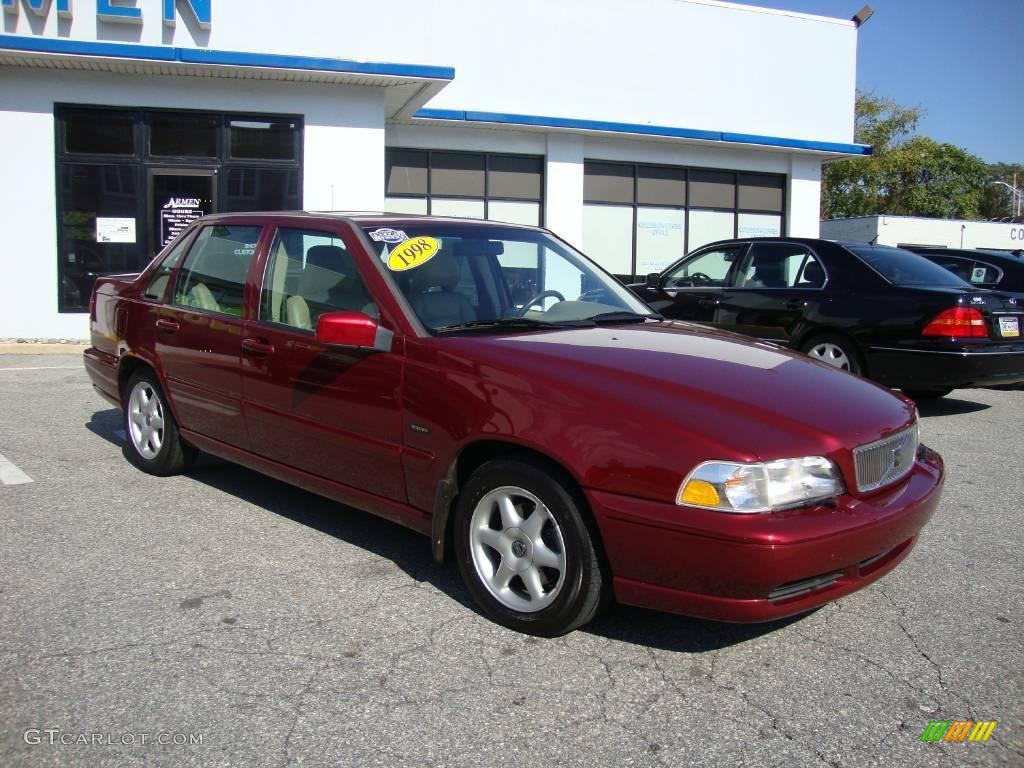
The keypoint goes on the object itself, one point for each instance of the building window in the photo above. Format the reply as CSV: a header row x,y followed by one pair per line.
x,y
131,179
640,218
472,185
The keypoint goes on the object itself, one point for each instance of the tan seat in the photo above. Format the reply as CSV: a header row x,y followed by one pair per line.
x,y
297,313
201,297
433,293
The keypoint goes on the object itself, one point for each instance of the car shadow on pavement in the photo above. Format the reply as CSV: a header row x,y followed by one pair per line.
x,y
681,634
949,406
410,551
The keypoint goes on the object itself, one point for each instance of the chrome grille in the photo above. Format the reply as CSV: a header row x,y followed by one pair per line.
x,y
885,461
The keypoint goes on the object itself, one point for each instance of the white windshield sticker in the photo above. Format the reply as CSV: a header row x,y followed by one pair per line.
x,y
388,236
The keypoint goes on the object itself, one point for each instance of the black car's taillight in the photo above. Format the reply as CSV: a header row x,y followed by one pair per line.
x,y
958,322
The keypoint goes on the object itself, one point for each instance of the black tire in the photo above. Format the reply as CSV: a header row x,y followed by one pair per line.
x,y
573,595
926,394
835,350
171,456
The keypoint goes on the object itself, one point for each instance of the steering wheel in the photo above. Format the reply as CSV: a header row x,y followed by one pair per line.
x,y
594,294
699,278
540,296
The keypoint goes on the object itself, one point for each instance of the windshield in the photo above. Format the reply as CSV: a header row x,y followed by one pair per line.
x,y
459,275
901,267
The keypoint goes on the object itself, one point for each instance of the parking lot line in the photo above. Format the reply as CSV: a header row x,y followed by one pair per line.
x,y
42,368
10,474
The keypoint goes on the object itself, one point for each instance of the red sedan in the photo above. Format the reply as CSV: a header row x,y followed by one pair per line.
x,y
489,386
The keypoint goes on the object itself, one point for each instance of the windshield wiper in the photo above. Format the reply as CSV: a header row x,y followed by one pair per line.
x,y
502,322
620,316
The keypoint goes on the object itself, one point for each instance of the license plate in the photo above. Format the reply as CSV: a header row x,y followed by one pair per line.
x,y
1008,326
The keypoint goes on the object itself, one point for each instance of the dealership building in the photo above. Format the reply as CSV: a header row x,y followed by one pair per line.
x,y
636,131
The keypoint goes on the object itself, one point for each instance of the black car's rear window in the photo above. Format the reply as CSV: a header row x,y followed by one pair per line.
x,y
901,267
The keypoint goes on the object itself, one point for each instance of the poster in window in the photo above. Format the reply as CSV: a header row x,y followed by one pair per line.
x,y
177,213
115,230
759,225
660,238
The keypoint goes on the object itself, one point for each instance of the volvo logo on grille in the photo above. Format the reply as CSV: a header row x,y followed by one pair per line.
x,y
896,462
885,460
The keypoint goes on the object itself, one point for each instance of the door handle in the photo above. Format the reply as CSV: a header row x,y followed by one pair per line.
x,y
257,347
167,326
707,302
796,304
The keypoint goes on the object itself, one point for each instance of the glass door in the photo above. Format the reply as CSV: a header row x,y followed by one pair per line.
x,y
177,197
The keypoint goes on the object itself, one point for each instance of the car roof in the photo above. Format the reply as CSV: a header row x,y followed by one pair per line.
x,y
362,217
802,240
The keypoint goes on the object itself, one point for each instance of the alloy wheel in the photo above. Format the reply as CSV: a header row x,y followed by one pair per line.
x,y
517,549
146,420
832,354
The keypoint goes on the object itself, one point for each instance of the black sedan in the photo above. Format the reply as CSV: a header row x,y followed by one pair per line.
x,y
881,312
999,270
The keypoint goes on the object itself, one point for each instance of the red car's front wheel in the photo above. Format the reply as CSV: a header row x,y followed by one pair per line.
x,y
525,551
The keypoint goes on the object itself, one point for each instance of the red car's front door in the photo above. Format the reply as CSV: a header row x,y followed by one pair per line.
x,y
335,413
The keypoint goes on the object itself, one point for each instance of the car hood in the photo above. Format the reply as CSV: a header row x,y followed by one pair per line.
x,y
754,398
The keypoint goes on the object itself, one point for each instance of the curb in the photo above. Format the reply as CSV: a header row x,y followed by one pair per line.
x,y
35,348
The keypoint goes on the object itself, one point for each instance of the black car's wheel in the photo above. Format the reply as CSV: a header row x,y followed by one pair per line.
x,y
153,442
835,350
525,551
926,394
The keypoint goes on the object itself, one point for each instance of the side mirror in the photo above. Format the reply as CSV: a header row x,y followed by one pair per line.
x,y
652,280
353,329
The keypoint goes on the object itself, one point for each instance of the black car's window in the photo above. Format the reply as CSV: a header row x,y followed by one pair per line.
x,y
158,283
309,273
214,272
707,268
983,274
959,267
905,268
780,265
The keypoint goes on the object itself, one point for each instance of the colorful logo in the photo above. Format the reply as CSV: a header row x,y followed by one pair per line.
x,y
958,730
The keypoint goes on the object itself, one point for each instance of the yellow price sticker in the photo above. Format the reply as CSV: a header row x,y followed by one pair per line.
x,y
413,253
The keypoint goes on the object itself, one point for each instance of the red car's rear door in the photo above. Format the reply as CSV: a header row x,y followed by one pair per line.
x,y
199,334
332,412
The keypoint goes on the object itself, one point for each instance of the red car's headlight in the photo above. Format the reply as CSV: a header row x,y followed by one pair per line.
x,y
760,487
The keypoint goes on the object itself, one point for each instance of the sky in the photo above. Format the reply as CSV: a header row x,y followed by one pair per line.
x,y
962,61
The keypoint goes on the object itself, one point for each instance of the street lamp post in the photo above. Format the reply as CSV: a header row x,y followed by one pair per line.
x,y
1015,195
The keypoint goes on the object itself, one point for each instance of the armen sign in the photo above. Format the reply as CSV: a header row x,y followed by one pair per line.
x,y
117,11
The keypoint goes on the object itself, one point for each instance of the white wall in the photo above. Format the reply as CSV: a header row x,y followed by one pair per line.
x,y
342,165
678,63
905,230
563,192
803,196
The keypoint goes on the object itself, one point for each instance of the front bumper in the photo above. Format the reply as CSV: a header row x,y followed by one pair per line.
x,y
980,365
750,568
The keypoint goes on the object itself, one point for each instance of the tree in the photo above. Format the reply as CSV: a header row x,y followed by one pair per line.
x,y
997,201
906,175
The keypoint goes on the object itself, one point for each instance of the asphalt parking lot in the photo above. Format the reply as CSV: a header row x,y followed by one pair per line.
x,y
278,628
